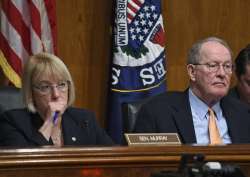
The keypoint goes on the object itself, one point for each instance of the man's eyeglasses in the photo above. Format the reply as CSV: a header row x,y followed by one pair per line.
x,y
45,88
214,67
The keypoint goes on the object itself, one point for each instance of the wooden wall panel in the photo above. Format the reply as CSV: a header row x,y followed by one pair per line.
x,y
84,40
191,20
84,43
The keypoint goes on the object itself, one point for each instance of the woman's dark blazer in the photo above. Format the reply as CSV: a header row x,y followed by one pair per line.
x,y
20,127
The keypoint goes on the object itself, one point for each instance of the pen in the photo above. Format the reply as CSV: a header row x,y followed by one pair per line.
x,y
55,117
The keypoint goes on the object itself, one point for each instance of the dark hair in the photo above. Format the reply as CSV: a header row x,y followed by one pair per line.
x,y
242,60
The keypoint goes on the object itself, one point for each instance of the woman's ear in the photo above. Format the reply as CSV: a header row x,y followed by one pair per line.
x,y
191,71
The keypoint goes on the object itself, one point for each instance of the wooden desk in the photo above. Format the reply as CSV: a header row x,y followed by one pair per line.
x,y
111,161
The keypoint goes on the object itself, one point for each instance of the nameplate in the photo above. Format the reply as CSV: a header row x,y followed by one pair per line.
x,y
137,139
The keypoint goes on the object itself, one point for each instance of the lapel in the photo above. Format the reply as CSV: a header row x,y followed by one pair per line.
x,y
75,131
183,118
39,140
237,128
34,135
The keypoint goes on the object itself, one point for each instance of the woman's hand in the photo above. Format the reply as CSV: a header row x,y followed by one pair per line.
x,y
53,118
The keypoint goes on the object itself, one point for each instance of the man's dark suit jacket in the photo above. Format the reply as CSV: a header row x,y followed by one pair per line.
x,y
233,92
171,113
19,127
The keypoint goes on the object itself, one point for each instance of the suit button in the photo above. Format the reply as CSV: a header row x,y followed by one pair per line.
x,y
73,138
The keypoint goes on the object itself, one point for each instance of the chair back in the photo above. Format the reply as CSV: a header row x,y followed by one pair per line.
x,y
129,114
10,98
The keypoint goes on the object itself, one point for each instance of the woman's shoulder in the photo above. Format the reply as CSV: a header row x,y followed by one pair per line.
x,y
16,117
75,110
21,112
80,114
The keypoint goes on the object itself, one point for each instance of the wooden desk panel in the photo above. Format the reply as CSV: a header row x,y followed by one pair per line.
x,y
111,161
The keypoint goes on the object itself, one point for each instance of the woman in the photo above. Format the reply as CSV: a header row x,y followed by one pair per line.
x,y
48,92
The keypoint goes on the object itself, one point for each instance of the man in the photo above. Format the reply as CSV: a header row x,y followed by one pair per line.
x,y
187,113
242,90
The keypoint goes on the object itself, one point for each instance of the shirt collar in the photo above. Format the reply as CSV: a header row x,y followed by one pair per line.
x,y
199,108
217,110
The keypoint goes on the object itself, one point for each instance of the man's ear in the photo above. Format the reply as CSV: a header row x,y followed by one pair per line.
x,y
191,72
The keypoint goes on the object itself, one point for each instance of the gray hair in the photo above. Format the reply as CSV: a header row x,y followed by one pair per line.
x,y
38,65
194,52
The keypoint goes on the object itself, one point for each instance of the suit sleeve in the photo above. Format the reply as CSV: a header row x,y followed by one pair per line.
x,y
101,136
145,122
9,134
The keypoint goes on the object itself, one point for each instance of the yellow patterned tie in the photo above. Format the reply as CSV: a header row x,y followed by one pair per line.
x,y
213,129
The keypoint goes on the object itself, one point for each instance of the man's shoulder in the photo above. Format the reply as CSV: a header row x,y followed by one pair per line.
x,y
234,103
233,92
169,97
166,99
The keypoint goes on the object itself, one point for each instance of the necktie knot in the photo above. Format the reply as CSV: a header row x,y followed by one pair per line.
x,y
214,133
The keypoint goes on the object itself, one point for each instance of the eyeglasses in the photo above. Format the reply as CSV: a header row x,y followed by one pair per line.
x,y
214,67
45,88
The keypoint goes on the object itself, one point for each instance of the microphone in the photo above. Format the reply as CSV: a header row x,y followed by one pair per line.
x,y
217,169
